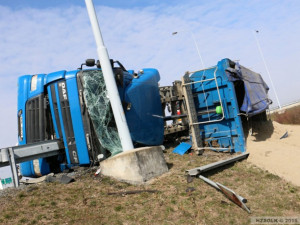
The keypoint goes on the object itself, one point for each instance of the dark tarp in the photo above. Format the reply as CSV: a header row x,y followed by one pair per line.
x,y
256,98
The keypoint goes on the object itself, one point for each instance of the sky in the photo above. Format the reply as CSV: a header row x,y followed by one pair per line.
x,y
39,36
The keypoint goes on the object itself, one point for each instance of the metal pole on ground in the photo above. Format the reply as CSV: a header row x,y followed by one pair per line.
x,y
110,82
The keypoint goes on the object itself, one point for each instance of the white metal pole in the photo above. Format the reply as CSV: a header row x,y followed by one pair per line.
x,y
195,42
267,69
193,36
110,82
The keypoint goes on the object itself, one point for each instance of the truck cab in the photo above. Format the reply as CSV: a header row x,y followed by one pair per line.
x,y
74,106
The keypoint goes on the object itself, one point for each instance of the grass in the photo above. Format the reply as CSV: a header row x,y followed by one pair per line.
x,y
289,116
86,201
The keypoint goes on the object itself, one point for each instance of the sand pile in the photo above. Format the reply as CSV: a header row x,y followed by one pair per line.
x,y
278,156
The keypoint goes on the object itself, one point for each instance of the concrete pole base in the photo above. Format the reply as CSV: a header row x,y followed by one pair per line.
x,y
135,166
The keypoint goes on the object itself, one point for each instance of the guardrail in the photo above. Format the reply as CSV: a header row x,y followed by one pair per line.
x,y
17,154
291,104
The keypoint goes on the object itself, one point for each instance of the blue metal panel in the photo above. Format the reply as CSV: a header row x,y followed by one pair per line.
x,y
62,124
55,76
23,83
24,94
52,113
217,131
145,117
25,169
77,123
71,74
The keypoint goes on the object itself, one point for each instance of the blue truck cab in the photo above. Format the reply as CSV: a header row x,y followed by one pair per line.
x,y
74,106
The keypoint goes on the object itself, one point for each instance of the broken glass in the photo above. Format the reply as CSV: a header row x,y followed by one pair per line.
x,y
98,105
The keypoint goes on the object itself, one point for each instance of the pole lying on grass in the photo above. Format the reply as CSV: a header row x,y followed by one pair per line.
x,y
230,194
211,166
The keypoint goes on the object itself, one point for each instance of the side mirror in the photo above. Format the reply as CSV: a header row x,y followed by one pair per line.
x,y
90,62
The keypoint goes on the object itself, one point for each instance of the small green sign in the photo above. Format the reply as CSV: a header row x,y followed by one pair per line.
x,y
8,180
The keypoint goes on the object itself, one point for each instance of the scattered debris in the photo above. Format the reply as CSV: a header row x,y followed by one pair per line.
x,y
131,192
97,172
182,148
202,169
35,180
286,134
68,170
240,201
32,188
64,179
189,178
190,189
230,194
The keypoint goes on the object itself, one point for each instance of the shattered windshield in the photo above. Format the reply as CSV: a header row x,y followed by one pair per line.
x,y
98,105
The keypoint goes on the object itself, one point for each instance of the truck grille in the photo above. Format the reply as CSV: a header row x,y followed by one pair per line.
x,y
35,119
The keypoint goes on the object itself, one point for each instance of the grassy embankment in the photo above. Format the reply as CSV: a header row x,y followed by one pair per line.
x,y
86,201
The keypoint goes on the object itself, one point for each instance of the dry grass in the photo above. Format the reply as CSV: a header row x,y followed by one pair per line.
x,y
289,116
86,201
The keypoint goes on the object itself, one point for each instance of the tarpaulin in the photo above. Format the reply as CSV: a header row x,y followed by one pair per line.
x,y
256,98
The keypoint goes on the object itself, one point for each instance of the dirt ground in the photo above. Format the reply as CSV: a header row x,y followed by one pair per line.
x,y
278,156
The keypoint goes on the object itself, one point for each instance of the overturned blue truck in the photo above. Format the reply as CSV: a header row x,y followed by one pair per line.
x,y
74,107
213,106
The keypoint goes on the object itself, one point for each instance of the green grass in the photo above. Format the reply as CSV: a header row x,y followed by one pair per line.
x,y
86,201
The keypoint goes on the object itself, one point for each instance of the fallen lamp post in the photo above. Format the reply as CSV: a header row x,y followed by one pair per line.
x,y
230,194
211,166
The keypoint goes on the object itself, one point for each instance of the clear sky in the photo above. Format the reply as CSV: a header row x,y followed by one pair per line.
x,y
39,36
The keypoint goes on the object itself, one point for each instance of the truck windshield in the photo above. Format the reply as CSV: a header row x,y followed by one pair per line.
x,y
98,105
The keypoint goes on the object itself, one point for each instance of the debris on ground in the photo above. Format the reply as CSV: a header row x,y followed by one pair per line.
x,y
131,192
230,194
286,134
211,166
238,200
182,148
36,180
64,179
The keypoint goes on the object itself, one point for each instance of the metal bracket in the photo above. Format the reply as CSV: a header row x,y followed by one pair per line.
x,y
205,168
230,194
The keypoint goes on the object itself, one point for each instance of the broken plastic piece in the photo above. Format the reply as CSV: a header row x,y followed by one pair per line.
x,y
98,171
190,189
64,179
36,180
182,148
286,134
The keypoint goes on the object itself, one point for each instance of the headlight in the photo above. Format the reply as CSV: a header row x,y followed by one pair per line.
x,y
20,125
33,83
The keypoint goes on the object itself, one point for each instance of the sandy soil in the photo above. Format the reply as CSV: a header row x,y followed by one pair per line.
x,y
278,156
